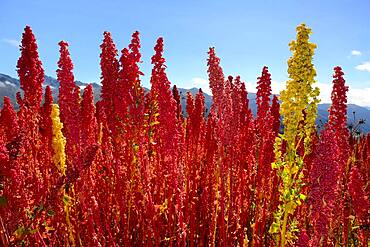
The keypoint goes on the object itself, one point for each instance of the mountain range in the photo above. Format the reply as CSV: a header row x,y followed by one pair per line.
x,y
9,86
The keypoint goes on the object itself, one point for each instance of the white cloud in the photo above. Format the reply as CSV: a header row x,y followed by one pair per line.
x,y
359,96
356,53
11,42
363,67
277,86
325,89
250,87
201,83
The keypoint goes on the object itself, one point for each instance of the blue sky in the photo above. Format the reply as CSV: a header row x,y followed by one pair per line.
x,y
247,35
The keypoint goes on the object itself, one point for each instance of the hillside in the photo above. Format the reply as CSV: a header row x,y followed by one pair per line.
x,y
10,86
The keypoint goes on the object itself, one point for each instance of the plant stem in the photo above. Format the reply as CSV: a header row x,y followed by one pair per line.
x,y
283,231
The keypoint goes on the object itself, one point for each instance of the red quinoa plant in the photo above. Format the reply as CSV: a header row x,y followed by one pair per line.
x,y
134,169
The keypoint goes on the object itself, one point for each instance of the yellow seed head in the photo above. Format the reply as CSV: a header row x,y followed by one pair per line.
x,y
59,141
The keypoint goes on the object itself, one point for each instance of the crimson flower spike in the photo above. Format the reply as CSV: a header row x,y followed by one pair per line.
x,y
123,97
323,190
109,74
216,77
275,114
338,115
135,51
265,137
338,124
129,93
199,109
263,95
68,91
4,156
176,96
8,120
88,133
189,104
338,109
46,115
330,155
166,103
30,71
360,202
135,73
169,134
69,101
356,187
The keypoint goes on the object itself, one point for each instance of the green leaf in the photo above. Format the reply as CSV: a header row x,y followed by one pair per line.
x,y
51,212
19,232
290,207
274,165
39,208
294,169
3,201
154,123
135,147
303,197
66,199
33,231
274,228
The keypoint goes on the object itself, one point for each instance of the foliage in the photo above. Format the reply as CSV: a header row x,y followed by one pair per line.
x,y
135,170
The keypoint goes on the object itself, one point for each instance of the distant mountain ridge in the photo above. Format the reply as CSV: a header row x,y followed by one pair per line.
x,y
9,86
